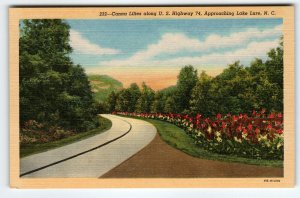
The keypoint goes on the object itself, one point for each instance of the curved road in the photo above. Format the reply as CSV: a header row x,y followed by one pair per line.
x,y
94,156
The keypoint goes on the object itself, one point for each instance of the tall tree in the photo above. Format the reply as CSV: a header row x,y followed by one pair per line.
x,y
158,103
123,100
202,100
135,94
187,80
274,67
112,101
144,103
52,89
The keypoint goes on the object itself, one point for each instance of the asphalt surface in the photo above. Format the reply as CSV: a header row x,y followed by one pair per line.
x,y
94,156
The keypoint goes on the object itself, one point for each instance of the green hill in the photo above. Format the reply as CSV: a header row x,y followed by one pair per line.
x,y
103,85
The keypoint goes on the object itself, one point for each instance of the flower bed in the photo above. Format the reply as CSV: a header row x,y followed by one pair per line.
x,y
258,136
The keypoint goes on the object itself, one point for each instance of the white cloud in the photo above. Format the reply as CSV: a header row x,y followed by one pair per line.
x,y
245,55
84,46
171,43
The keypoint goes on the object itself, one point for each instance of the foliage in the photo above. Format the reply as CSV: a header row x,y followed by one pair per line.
x,y
238,89
112,101
35,138
146,99
187,80
177,138
201,96
259,136
53,91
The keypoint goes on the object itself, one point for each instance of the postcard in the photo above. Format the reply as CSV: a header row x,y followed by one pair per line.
x,y
131,97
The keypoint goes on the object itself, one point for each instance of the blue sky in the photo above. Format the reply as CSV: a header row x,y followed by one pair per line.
x,y
148,46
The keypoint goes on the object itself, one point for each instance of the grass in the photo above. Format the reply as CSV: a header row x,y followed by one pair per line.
x,y
30,149
177,138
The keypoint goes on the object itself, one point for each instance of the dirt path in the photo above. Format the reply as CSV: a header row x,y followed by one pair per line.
x,y
158,159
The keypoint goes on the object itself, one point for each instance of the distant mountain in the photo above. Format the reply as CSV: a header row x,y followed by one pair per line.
x,y
103,85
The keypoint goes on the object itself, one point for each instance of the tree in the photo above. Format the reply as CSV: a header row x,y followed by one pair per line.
x,y
201,99
135,94
53,90
230,89
187,80
127,98
274,65
123,100
112,101
158,103
170,105
144,103
274,68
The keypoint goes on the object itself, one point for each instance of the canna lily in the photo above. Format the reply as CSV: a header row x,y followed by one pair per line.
x,y
257,131
223,125
239,129
250,126
240,116
198,116
256,128
235,118
269,127
279,131
272,115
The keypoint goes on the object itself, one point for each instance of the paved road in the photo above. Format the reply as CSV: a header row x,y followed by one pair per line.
x,y
97,162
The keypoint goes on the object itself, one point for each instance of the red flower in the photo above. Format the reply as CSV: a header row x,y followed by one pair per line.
x,y
250,126
257,131
239,128
279,131
253,112
198,116
269,127
235,118
218,116
245,131
272,115
277,123
223,125
279,115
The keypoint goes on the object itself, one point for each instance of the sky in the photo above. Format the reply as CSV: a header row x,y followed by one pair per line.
x,y
153,51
